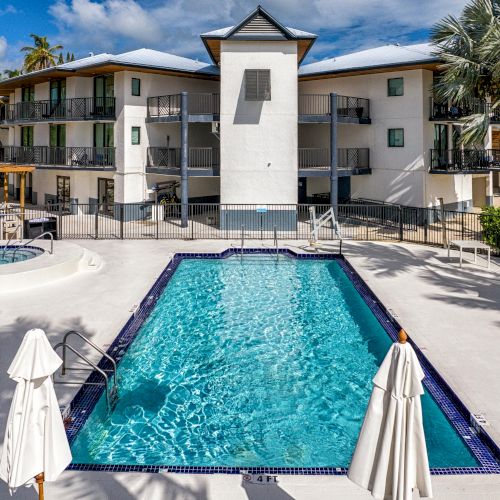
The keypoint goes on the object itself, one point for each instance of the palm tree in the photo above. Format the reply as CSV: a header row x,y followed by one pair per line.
x,y
469,47
41,55
12,73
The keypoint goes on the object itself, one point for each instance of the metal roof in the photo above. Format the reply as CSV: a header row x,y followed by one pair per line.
x,y
388,55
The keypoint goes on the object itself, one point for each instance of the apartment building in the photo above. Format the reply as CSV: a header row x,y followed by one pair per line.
x,y
256,126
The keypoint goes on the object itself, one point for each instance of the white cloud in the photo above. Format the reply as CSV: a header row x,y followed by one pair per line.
x,y
8,9
175,25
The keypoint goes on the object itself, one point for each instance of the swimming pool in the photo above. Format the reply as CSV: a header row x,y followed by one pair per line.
x,y
249,362
9,255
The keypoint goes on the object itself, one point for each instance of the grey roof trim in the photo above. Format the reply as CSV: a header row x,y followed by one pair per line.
x,y
375,66
290,33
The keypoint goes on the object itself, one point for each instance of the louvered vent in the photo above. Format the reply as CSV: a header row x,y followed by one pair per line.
x,y
258,85
258,26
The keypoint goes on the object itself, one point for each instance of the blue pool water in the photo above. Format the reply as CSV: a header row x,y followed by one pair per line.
x,y
251,362
7,255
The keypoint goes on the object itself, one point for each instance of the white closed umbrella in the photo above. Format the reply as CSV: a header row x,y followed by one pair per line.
x,y
390,458
35,440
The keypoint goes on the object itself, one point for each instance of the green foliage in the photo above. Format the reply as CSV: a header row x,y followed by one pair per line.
x,y
490,222
41,55
469,46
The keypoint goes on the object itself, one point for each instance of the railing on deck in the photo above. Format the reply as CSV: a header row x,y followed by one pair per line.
x,y
450,112
160,157
78,108
74,157
347,107
348,158
170,105
458,160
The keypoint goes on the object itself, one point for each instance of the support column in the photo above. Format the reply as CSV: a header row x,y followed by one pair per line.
x,y
334,174
489,190
6,187
184,159
22,186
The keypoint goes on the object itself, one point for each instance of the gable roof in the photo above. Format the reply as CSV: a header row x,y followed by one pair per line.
x,y
379,57
256,26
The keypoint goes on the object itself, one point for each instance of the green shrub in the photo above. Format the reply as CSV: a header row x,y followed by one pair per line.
x,y
490,222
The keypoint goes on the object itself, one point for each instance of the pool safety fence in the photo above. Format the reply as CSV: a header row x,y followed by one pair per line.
x,y
358,221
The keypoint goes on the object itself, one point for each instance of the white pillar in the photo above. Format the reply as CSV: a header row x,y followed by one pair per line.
x,y
489,189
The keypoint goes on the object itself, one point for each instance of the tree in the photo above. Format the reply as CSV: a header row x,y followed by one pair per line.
x,y
41,55
469,47
12,73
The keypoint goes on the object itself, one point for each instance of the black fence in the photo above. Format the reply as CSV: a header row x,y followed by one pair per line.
x,y
347,158
75,156
358,221
347,107
447,111
78,108
450,160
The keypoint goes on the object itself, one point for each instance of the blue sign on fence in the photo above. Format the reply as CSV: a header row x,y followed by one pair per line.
x,y
261,210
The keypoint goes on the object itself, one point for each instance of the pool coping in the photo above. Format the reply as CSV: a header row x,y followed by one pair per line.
x,y
482,446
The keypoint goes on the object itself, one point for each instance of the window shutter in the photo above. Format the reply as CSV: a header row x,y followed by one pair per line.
x,y
257,85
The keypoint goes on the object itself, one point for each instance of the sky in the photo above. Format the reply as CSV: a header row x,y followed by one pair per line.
x,y
174,26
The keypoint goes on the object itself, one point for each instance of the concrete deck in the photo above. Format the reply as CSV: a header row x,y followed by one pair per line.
x,y
452,314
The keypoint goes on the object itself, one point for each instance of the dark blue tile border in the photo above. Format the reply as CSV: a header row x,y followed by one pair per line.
x,y
480,443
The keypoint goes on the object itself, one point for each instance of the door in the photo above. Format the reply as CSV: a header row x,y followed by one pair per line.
x,y
26,154
344,189
27,108
57,151
104,91
63,193
57,98
106,196
440,156
103,143
302,190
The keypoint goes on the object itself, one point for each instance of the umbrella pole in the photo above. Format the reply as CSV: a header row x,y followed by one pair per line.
x,y
39,480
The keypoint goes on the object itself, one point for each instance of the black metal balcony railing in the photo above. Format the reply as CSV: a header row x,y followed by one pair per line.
x,y
457,160
347,107
78,108
75,157
170,105
347,158
448,111
159,157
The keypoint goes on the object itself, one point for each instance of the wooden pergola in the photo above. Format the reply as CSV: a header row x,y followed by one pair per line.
x,y
22,170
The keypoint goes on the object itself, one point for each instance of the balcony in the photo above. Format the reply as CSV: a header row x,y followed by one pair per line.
x,y
315,162
469,161
63,158
201,161
454,112
76,109
202,107
315,108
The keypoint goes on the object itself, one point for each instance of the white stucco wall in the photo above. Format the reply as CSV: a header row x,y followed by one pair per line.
x,y
259,138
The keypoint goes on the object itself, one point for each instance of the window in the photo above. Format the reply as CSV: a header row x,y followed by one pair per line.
x,y
136,86
395,87
57,90
396,137
136,136
28,94
257,85
103,135
27,136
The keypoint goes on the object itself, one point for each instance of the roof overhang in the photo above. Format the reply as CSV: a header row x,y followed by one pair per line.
x,y
431,65
212,41
7,86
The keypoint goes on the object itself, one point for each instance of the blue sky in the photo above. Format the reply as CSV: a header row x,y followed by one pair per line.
x,y
115,26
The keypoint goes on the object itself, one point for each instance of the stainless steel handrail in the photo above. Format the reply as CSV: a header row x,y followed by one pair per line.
x,y
36,238
93,365
111,393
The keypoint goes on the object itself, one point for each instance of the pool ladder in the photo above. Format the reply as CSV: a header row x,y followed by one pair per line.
x,y
111,390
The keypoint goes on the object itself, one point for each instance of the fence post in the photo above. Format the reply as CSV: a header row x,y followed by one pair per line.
x,y
367,225
401,226
96,221
443,222
121,221
157,219
463,226
59,208
426,224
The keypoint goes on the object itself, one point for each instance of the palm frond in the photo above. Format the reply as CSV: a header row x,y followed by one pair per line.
x,y
475,128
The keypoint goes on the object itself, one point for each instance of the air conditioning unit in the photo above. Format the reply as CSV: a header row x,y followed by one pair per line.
x,y
216,129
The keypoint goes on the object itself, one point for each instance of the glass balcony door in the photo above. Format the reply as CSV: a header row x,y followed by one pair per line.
x,y
57,150
103,141
104,91
57,108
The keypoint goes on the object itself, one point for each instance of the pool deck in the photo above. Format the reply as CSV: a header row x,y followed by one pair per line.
x,y
452,314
